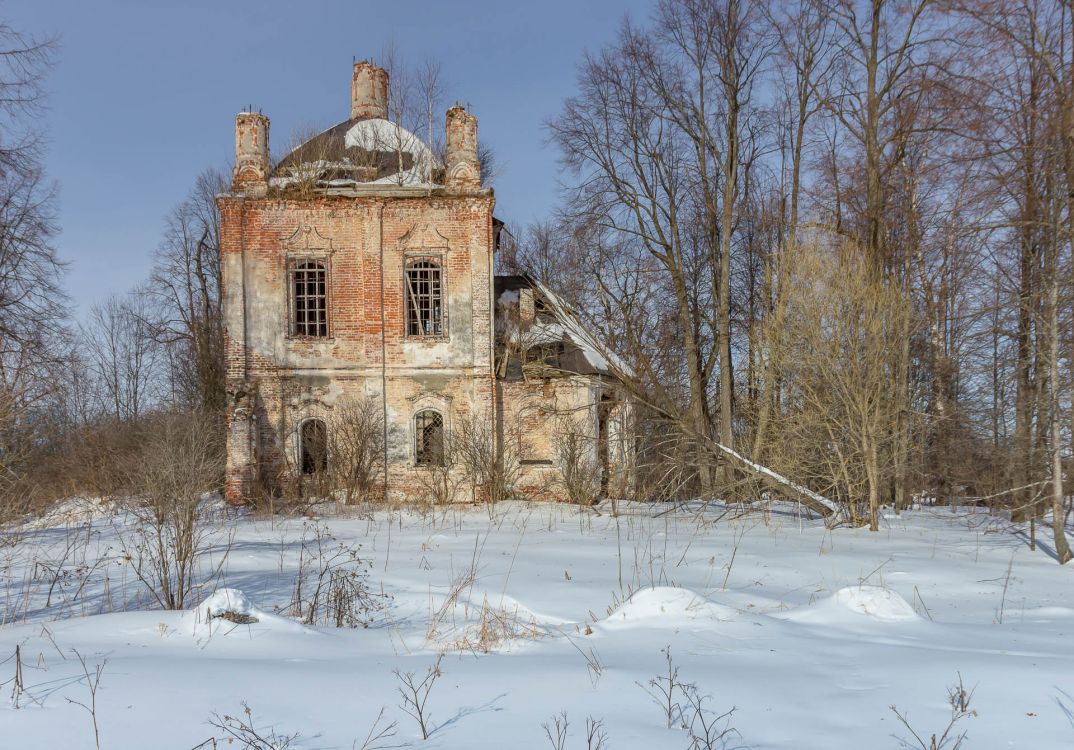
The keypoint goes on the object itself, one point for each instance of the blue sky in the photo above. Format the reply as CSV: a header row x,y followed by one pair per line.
x,y
145,92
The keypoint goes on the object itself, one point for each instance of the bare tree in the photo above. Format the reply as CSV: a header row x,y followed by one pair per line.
x,y
1031,169
656,138
32,303
123,356
804,33
185,285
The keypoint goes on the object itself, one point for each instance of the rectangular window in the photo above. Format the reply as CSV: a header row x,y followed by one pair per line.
x,y
309,299
424,298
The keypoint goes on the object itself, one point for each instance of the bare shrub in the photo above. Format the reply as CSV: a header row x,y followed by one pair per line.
x,y
415,694
580,469
355,448
169,479
332,584
959,700
439,482
491,467
379,733
664,688
242,730
708,730
837,363
556,730
68,571
682,704
93,683
595,736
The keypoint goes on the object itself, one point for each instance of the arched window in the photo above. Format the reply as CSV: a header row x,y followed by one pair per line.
x,y
309,299
424,298
313,446
429,438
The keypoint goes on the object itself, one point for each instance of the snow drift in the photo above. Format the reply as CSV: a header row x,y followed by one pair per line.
x,y
872,602
667,607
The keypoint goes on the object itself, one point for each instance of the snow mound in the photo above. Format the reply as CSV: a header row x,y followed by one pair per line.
x,y
501,624
874,602
227,609
74,511
1047,614
230,604
666,607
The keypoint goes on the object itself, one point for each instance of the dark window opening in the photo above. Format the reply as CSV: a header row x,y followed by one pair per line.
x,y
309,299
604,412
314,447
429,438
424,299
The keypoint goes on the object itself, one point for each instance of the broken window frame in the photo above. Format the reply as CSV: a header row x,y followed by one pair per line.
x,y
429,441
424,316
310,461
298,304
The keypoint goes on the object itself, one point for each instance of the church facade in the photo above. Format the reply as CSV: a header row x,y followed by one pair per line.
x,y
358,282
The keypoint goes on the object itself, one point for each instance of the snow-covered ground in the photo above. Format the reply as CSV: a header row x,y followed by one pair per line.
x,y
810,634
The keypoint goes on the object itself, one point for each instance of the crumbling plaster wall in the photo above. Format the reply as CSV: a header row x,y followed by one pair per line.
x,y
534,411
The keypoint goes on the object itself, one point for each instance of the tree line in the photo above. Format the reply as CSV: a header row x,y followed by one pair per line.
x,y
835,236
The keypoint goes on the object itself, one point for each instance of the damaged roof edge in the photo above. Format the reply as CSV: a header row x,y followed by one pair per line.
x,y
601,358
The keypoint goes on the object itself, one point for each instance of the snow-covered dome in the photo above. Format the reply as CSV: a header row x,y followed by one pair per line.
x,y
368,150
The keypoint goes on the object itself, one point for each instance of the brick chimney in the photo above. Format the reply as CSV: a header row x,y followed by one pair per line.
x,y
463,168
527,308
369,92
252,164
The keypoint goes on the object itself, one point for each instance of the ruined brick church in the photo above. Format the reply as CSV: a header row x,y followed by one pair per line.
x,y
361,266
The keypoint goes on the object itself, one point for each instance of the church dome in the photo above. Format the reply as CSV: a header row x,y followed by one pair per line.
x,y
366,150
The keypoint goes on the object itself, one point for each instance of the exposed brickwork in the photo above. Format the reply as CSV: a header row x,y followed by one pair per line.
x,y
463,168
369,91
252,164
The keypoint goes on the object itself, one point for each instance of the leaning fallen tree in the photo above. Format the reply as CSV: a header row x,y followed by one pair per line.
x,y
835,512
